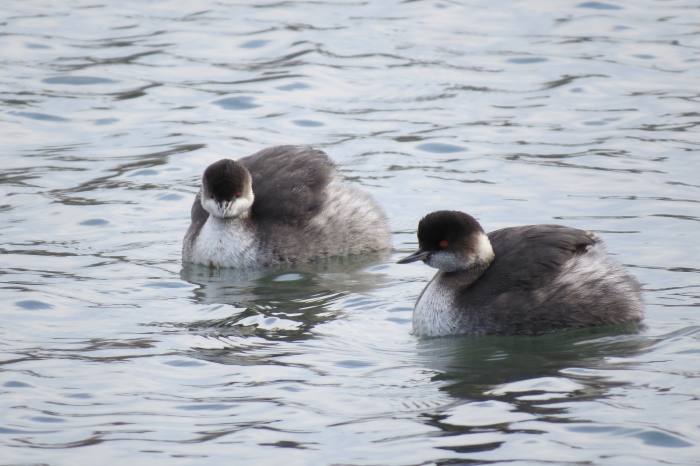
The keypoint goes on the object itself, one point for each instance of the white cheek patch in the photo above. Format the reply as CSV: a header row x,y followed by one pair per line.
x,y
211,206
453,261
484,251
240,206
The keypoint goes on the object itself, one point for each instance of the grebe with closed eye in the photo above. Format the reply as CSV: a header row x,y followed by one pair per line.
x,y
283,204
517,281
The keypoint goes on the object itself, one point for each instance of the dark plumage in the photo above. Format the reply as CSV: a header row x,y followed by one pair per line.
x,y
536,279
289,184
224,180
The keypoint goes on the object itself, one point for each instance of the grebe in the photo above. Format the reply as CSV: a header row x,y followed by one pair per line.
x,y
283,204
517,281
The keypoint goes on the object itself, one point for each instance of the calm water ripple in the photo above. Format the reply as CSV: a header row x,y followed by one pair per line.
x,y
581,113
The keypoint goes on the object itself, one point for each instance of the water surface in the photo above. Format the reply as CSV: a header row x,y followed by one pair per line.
x,y
579,113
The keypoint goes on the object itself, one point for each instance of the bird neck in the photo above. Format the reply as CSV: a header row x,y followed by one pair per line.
x,y
465,277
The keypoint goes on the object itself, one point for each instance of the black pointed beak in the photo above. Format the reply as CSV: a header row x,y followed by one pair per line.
x,y
419,255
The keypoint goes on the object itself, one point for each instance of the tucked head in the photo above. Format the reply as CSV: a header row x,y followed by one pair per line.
x,y
450,240
227,189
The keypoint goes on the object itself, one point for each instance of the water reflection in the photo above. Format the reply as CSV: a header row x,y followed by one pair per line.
x,y
278,304
476,368
503,385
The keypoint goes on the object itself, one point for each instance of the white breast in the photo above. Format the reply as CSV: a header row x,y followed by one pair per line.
x,y
225,243
435,314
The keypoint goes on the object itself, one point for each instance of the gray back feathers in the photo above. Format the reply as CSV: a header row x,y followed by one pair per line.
x,y
546,278
288,183
528,257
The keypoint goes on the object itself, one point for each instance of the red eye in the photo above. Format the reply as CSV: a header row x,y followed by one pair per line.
x,y
238,193
443,244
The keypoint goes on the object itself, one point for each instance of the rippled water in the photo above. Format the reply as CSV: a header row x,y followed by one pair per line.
x,y
581,113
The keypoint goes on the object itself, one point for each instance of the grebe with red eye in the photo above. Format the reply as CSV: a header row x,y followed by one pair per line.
x,y
282,204
523,280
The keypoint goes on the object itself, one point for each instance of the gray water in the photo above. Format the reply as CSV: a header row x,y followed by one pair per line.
x,y
518,112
